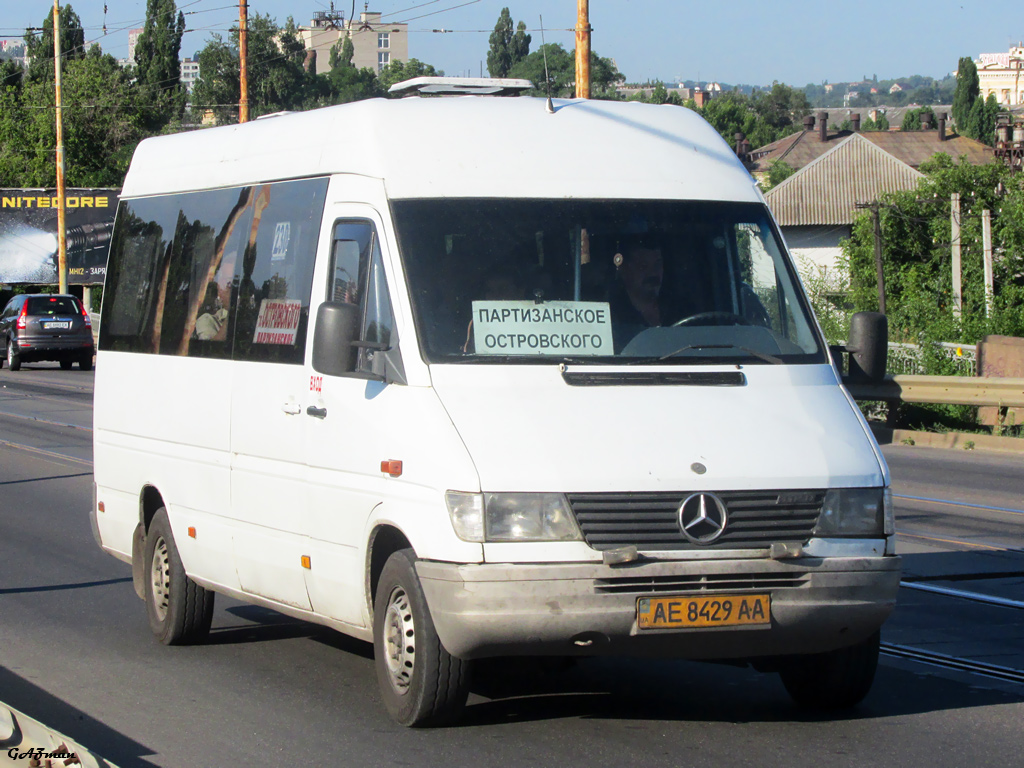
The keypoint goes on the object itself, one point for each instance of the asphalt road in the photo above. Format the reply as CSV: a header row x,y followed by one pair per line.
x,y
76,651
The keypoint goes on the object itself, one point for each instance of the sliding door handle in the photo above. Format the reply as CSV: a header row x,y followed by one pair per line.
x,y
316,413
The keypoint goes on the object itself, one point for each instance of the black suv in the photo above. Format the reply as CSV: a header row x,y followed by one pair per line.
x,y
44,326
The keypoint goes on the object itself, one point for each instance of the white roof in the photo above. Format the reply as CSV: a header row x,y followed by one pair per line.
x,y
464,146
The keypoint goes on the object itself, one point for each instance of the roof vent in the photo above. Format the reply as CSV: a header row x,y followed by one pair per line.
x,y
450,86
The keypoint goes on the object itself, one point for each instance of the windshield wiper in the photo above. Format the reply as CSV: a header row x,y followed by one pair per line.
x,y
753,352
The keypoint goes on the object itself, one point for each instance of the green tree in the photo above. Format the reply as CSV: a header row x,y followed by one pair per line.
x,y
782,108
916,254
397,71
914,118
778,172
880,124
158,69
277,79
507,48
981,123
102,121
347,82
966,93
39,48
519,47
561,68
217,89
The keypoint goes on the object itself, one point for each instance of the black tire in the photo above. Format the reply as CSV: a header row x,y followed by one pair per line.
x,y
421,683
65,365
13,356
180,611
86,363
834,680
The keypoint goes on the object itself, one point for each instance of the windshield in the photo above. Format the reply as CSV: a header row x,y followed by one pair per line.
x,y
619,281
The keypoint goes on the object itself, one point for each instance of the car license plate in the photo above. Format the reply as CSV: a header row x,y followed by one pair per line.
x,y
56,326
683,612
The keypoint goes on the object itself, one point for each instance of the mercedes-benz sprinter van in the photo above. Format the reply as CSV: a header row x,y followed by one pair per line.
x,y
475,376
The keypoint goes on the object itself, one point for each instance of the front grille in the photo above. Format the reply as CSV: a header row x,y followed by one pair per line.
x,y
650,521
706,583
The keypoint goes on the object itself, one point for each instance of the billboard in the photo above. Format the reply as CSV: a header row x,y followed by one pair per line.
x,y
28,235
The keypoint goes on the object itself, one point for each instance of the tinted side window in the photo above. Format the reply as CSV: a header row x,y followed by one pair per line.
x,y
171,271
357,277
185,270
276,279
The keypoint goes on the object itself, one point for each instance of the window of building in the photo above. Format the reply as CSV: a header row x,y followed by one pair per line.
x,y
384,40
383,59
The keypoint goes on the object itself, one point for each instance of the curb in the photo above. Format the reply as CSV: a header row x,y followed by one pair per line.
x,y
27,742
963,441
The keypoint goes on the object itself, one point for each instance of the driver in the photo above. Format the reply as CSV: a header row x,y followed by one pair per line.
x,y
636,300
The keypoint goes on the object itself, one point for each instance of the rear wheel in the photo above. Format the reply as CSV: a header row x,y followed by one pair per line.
x,y
180,611
421,683
834,680
85,363
65,365
13,356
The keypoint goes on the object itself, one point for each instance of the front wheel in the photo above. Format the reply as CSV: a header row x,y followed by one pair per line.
x,y
421,683
180,611
13,356
834,680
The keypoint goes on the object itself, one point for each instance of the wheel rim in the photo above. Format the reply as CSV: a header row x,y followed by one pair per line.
x,y
399,640
160,576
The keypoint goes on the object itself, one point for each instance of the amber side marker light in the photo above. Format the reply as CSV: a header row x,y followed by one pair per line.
x,y
391,467
191,531
306,562
101,507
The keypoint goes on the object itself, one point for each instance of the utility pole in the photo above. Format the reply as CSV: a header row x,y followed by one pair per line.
x,y
954,223
62,242
583,49
986,244
879,271
243,55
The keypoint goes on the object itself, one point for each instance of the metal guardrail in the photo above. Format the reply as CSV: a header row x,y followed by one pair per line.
x,y
950,390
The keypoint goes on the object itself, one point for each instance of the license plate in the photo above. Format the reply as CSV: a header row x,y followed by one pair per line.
x,y
681,612
56,326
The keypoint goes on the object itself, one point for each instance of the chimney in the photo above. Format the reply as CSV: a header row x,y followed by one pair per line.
x,y
823,126
941,117
809,122
926,121
855,119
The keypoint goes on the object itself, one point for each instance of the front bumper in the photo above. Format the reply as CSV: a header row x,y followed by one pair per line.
x,y
817,604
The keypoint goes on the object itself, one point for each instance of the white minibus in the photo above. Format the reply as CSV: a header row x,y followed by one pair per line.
x,y
472,376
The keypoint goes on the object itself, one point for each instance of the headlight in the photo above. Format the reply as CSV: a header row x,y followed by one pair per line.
x,y
855,512
512,517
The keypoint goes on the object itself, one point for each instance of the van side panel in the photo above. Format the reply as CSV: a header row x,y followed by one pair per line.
x,y
163,421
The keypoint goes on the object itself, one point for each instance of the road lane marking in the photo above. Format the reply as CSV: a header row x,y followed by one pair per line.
x,y
953,662
957,541
44,452
960,504
976,597
4,414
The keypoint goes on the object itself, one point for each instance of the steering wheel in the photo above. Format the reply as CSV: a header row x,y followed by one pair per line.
x,y
725,318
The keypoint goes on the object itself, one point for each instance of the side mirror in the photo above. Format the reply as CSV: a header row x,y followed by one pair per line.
x,y
337,328
868,346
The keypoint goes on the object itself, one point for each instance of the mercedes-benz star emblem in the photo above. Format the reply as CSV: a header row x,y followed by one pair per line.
x,y
702,518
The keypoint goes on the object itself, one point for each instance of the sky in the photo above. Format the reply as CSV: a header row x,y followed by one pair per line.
x,y
753,42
